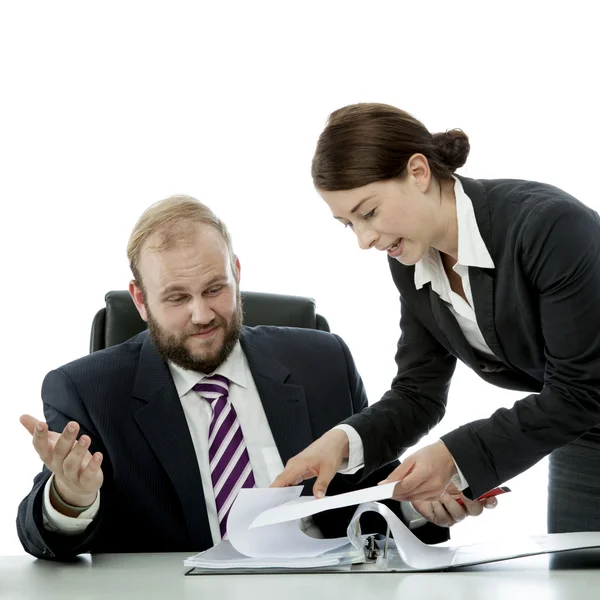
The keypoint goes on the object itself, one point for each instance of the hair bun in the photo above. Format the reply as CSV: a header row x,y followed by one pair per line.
x,y
452,147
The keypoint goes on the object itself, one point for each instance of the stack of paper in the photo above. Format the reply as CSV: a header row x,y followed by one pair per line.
x,y
264,533
225,556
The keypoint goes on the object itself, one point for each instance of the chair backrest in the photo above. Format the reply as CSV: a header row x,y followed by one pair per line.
x,y
120,320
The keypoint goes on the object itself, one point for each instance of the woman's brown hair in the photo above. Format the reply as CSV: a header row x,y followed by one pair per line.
x,y
363,143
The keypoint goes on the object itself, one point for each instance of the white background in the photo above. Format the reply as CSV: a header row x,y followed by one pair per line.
x,y
106,107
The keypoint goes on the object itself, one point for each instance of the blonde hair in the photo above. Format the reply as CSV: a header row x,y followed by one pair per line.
x,y
172,219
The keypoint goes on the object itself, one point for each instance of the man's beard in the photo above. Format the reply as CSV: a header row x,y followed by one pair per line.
x,y
171,346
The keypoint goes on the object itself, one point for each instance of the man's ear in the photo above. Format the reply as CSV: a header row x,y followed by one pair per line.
x,y
137,296
238,269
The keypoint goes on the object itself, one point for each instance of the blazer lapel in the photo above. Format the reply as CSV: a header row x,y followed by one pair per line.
x,y
284,404
449,326
482,280
482,288
162,421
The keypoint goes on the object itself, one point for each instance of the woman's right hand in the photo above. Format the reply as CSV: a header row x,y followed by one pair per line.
x,y
77,474
321,459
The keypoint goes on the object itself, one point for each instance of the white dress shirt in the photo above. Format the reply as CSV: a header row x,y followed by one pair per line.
x,y
472,252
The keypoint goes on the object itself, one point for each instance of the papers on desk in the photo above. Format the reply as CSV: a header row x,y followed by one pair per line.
x,y
225,556
264,533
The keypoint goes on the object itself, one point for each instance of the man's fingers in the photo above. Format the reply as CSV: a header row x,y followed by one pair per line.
x,y
64,445
41,443
89,474
73,462
29,423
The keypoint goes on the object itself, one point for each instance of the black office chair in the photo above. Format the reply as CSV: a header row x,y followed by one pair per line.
x,y
120,320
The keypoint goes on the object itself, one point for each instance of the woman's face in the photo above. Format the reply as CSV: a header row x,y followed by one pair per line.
x,y
397,216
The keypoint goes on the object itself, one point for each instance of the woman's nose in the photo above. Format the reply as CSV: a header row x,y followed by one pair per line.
x,y
366,238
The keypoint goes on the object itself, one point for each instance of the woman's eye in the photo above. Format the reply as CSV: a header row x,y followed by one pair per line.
x,y
370,214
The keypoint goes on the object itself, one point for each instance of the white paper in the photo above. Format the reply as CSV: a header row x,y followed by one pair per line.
x,y
308,506
523,546
225,556
282,540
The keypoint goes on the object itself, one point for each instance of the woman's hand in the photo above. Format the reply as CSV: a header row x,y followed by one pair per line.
x,y
446,511
425,475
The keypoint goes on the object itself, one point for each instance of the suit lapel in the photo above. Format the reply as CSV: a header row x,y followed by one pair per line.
x,y
163,423
449,326
482,288
482,280
284,404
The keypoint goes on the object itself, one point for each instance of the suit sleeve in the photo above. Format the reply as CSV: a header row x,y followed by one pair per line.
x,y
357,388
416,401
560,255
61,405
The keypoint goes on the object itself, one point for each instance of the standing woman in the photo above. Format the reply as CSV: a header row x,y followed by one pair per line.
x,y
503,275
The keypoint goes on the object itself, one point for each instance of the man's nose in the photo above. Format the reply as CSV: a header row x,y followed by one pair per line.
x,y
202,313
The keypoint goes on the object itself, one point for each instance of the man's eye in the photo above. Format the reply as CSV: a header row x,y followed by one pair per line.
x,y
215,290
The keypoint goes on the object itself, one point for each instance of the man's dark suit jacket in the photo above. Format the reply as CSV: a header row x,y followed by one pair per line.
x,y
124,398
538,311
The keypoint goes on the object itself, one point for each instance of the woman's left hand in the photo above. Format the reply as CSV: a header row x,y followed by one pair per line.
x,y
446,511
425,475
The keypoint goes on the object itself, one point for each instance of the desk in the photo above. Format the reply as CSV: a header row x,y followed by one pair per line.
x,y
569,576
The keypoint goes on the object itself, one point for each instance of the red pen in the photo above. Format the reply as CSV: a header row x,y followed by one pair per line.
x,y
495,492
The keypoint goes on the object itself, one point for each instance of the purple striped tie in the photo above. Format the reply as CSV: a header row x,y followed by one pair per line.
x,y
230,467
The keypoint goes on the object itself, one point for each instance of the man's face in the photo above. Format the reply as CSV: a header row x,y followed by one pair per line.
x,y
191,299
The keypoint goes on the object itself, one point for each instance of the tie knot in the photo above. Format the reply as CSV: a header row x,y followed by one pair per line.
x,y
213,387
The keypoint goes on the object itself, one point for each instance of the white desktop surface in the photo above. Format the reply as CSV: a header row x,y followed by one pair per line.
x,y
572,575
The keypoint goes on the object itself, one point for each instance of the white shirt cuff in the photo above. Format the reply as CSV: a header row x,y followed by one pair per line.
x,y
58,523
414,519
356,459
458,480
